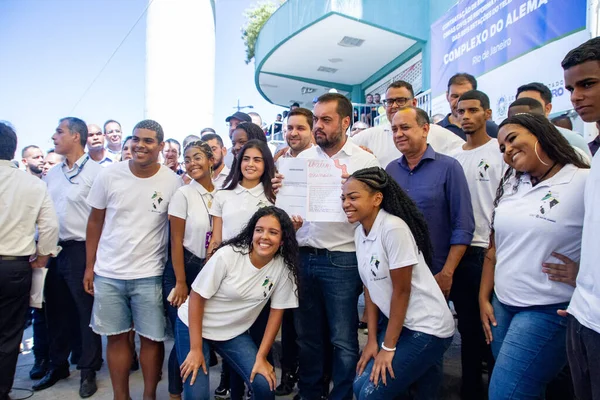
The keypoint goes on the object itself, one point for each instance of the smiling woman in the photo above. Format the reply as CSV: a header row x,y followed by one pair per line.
x,y
542,191
228,296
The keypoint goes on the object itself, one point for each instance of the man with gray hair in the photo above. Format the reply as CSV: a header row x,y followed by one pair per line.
x,y
68,185
126,254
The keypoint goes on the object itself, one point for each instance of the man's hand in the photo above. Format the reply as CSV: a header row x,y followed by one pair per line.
x,y
88,281
39,261
297,221
444,280
566,273
277,182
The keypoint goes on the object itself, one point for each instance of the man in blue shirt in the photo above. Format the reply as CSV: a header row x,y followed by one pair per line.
x,y
458,85
438,186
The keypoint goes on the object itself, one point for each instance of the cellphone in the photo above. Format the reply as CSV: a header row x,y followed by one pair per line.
x,y
170,296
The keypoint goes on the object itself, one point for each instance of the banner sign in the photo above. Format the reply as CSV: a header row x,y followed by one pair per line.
x,y
476,36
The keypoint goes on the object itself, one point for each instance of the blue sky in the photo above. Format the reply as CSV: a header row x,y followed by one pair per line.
x,y
53,49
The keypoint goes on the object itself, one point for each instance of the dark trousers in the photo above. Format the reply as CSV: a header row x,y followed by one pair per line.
x,y
66,300
193,265
40,334
465,296
15,285
289,348
583,348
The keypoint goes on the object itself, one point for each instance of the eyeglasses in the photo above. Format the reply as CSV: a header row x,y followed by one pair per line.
x,y
401,101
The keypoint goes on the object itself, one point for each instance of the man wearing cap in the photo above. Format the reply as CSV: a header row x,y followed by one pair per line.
x,y
234,120
26,204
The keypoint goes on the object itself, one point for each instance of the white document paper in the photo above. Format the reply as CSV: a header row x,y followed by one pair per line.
x,y
311,189
38,279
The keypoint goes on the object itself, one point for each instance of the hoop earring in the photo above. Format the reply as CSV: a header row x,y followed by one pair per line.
x,y
537,155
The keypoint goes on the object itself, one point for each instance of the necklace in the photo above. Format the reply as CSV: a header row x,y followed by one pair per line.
x,y
543,176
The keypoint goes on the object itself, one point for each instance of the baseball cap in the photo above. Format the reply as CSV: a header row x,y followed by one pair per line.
x,y
239,115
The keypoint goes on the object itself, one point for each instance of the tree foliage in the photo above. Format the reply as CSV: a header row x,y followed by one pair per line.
x,y
256,17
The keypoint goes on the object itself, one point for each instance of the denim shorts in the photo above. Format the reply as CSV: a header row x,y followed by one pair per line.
x,y
122,305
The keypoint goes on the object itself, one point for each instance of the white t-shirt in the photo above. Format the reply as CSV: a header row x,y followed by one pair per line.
x,y
134,238
220,178
334,236
531,224
484,167
237,206
192,203
380,140
69,196
236,292
585,304
391,245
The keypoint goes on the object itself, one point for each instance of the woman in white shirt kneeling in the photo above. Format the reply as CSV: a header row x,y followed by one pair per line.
x,y
410,324
228,295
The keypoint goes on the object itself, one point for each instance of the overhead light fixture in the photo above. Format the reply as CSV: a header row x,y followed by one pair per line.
x,y
349,41
329,70
335,60
307,90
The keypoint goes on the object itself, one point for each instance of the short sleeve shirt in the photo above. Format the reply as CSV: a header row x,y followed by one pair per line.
x,y
236,292
134,239
390,245
192,203
531,223
237,206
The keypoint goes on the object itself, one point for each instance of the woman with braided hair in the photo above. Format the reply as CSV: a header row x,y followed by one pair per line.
x,y
536,231
410,324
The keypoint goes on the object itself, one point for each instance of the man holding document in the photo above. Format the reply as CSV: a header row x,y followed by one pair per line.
x,y
329,279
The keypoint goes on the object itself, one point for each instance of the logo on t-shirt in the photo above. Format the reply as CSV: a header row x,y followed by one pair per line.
x,y
261,204
482,171
548,203
157,198
267,286
374,264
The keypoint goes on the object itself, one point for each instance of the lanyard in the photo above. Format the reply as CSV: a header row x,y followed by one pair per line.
x,y
79,169
209,233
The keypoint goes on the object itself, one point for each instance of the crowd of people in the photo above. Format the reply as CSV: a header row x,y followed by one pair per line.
x,y
498,219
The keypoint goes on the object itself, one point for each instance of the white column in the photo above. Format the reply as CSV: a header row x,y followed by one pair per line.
x,y
180,65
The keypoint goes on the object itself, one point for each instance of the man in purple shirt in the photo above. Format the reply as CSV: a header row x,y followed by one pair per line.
x,y
438,186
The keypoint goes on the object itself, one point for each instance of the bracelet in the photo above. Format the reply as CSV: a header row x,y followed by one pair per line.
x,y
383,347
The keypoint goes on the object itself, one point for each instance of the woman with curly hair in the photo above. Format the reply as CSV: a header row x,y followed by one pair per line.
x,y
257,265
410,324
537,223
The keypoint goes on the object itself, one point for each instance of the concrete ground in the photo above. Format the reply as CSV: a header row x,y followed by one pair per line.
x,y
67,389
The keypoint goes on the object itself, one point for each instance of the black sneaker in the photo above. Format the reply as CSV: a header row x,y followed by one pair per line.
x,y
288,381
223,392
38,370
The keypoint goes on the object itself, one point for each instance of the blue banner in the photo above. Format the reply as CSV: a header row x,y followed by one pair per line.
x,y
476,36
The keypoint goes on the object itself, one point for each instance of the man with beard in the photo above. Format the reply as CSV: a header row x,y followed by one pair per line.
x,y
113,133
95,146
328,269
52,158
33,159
220,170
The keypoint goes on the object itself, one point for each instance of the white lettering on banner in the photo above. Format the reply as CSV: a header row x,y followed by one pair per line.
x,y
523,9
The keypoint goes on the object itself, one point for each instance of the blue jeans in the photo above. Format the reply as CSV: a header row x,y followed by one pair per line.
x,y
239,352
192,265
418,359
529,345
328,293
